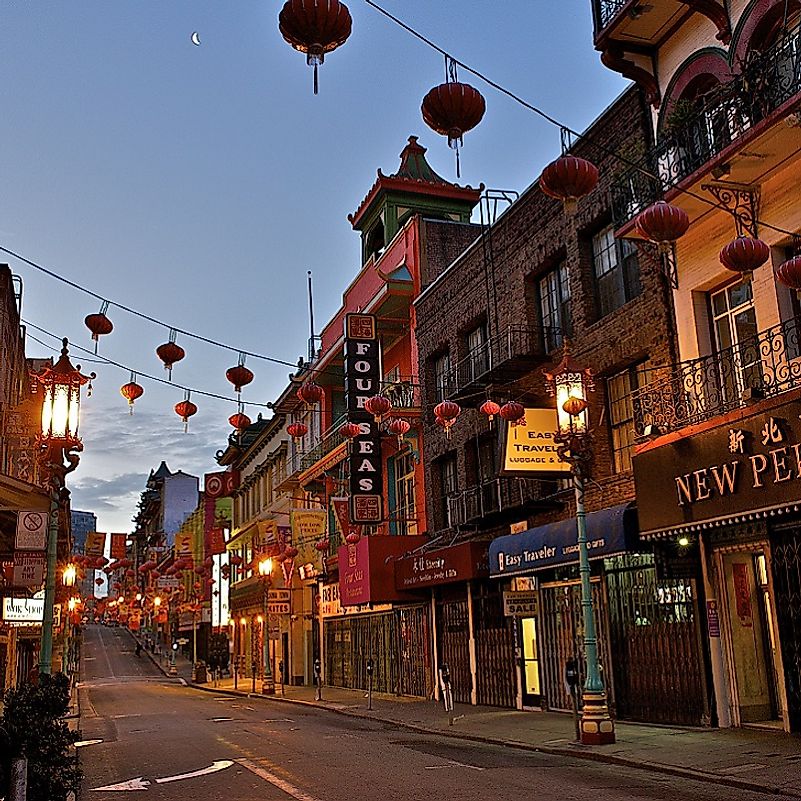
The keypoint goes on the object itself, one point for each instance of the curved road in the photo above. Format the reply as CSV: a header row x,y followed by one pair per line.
x,y
155,731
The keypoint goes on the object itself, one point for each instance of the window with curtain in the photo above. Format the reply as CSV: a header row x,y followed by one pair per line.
x,y
617,271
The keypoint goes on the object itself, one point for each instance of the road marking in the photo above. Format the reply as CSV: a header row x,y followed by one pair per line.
x,y
131,715
452,763
289,720
217,765
131,784
89,658
276,781
220,720
182,680
83,743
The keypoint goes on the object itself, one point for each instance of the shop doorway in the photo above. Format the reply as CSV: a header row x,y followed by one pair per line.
x,y
751,643
532,692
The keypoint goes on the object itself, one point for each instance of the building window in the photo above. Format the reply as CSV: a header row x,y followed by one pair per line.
x,y
621,413
442,369
477,353
617,272
404,513
554,297
449,485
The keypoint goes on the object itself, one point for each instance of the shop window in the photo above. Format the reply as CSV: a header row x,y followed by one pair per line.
x,y
621,413
617,271
554,302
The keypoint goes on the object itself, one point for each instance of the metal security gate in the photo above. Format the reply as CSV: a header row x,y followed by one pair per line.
x,y
656,644
495,660
453,636
396,641
786,561
562,632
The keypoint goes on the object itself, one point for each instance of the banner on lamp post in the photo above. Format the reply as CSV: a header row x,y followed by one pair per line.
x,y
95,543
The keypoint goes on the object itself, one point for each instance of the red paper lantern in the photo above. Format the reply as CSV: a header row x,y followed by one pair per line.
x,y
185,409
101,561
662,223
399,427
240,421
170,353
235,559
131,391
315,27
98,581
568,178
155,574
99,325
744,254
310,393
789,273
349,430
322,545
452,109
352,537
447,410
513,412
291,552
490,408
239,376
297,430
378,406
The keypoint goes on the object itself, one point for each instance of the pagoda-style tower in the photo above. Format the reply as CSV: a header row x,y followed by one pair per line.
x,y
414,189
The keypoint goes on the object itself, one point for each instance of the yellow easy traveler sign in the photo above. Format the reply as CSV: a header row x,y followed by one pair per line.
x,y
530,447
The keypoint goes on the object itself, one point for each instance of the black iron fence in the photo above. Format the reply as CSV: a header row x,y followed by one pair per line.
x,y
715,120
690,392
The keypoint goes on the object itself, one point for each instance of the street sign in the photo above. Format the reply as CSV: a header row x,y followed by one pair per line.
x,y
31,531
182,641
29,569
278,595
520,604
277,608
168,583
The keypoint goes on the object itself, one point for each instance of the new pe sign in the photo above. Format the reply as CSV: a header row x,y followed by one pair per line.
x,y
530,447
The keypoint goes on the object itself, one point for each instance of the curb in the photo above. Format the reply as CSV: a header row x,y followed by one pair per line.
x,y
574,753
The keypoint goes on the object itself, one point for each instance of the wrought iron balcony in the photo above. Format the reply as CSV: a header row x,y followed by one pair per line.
x,y
329,440
492,498
604,11
717,120
505,356
404,392
691,392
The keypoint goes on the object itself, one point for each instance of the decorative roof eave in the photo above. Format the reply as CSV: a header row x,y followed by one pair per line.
x,y
389,183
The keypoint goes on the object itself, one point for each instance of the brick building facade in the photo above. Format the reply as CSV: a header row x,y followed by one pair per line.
x,y
488,323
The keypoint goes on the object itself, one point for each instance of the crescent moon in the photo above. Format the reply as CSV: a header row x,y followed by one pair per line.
x,y
195,38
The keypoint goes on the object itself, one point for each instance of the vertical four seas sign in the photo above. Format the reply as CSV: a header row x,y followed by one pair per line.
x,y
362,381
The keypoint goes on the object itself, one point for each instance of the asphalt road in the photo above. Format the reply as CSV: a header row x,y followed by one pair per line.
x,y
154,731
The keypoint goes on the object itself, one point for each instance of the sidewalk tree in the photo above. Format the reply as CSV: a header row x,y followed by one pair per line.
x,y
33,718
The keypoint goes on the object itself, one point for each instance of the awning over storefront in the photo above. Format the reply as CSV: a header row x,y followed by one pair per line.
x,y
462,562
609,531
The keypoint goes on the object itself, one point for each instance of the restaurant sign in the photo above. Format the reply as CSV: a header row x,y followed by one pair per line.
x,y
362,381
462,562
752,464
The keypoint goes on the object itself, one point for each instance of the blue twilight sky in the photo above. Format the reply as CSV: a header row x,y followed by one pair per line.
x,y
198,184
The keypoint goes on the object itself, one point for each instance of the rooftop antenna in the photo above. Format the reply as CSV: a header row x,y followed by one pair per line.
x,y
312,337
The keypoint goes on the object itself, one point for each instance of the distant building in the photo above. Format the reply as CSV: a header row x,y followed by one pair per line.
x,y
169,498
82,523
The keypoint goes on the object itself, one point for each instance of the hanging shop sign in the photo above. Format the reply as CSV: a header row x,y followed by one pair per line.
x,y
23,611
220,485
183,546
362,381
118,546
462,562
29,568
530,447
520,604
31,531
329,600
751,464
95,543
168,583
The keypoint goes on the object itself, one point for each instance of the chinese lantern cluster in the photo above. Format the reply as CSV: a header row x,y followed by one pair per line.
x,y
447,412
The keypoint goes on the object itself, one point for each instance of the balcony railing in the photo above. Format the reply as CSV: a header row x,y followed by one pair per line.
x,y
404,392
492,497
604,11
691,392
506,355
329,440
720,117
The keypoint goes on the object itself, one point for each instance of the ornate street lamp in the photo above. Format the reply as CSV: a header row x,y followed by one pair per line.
x,y
266,578
571,385
59,443
68,575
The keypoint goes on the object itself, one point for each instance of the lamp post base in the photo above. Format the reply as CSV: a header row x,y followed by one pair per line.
x,y
597,726
268,687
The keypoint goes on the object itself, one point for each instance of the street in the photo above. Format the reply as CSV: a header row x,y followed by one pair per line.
x,y
167,741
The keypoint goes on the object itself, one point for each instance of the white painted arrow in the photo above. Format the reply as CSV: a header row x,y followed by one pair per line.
x,y
82,743
220,764
131,784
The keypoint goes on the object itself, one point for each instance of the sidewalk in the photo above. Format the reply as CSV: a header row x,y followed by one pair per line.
x,y
761,761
